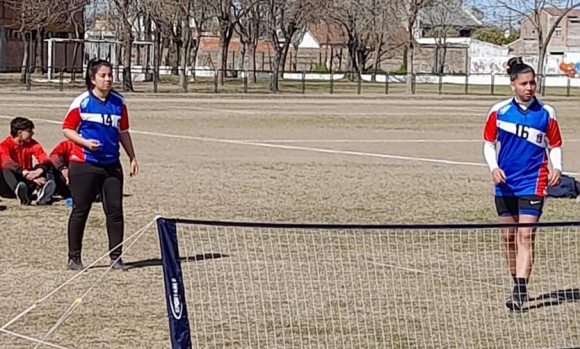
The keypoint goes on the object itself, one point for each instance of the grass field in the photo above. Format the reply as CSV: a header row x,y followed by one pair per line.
x,y
294,160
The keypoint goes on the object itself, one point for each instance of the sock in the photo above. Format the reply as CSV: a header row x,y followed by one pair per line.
x,y
520,286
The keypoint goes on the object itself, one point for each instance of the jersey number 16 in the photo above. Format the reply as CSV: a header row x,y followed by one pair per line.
x,y
523,132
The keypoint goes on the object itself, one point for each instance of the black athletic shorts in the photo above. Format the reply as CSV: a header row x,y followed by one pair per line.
x,y
519,205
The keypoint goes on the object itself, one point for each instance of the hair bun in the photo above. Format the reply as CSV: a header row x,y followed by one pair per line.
x,y
514,61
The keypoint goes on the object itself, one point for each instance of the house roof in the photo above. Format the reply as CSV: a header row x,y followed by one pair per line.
x,y
212,44
556,12
328,34
449,14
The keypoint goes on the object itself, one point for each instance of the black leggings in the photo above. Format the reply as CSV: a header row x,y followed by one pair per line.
x,y
10,179
86,181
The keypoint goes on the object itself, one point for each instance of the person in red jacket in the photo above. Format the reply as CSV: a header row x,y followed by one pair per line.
x,y
60,158
19,177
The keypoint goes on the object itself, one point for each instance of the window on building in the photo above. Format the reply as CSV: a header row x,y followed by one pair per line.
x,y
558,32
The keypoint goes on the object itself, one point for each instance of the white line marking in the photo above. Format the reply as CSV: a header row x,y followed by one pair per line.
x,y
364,140
293,147
375,140
314,150
418,271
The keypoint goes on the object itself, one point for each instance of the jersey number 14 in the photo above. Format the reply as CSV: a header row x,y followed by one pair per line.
x,y
108,120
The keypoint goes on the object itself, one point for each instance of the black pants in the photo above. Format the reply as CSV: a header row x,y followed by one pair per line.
x,y
62,188
10,179
86,181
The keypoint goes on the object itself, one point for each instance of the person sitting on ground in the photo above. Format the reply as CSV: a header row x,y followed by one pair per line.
x,y
18,177
60,158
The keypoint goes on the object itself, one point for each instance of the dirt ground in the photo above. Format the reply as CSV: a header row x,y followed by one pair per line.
x,y
295,160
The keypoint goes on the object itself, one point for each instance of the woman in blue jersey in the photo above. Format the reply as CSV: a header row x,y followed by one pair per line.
x,y
524,127
97,122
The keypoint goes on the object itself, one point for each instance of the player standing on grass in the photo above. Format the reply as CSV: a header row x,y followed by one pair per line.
x,y
524,127
97,122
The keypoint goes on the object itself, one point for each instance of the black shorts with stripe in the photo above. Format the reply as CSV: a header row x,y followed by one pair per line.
x,y
519,205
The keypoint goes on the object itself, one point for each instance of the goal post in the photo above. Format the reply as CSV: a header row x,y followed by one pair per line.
x,y
250,284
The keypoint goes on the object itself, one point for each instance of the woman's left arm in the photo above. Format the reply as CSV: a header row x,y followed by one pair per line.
x,y
127,143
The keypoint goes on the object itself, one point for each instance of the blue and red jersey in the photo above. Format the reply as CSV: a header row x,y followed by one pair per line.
x,y
524,136
100,120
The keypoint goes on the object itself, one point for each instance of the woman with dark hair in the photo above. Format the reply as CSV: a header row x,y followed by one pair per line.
x,y
97,122
524,127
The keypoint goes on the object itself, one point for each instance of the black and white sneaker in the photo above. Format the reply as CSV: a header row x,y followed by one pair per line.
x,y
516,301
44,195
75,264
21,193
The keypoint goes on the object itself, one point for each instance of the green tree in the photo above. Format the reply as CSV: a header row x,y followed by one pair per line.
x,y
495,35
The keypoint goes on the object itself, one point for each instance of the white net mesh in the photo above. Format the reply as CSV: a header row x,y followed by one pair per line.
x,y
349,288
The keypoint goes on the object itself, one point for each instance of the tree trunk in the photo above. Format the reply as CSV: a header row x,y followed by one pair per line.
x,y
352,52
39,57
275,70
410,69
242,55
76,52
282,67
148,36
376,65
225,37
25,61
127,46
252,69
193,58
184,56
540,71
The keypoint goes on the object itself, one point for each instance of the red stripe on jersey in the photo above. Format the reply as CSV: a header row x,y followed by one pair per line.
x,y
553,134
490,131
77,154
72,119
542,184
124,125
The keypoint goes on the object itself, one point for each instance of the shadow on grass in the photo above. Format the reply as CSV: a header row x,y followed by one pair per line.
x,y
156,262
554,298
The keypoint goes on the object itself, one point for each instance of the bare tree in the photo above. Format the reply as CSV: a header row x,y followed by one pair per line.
x,y
183,21
250,27
127,13
285,18
533,11
33,17
409,10
384,32
441,17
355,17
373,28
224,14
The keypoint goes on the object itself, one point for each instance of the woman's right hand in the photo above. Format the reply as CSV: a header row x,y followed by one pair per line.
x,y
498,176
91,144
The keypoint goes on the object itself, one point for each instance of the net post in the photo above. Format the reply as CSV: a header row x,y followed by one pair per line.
x,y
179,330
